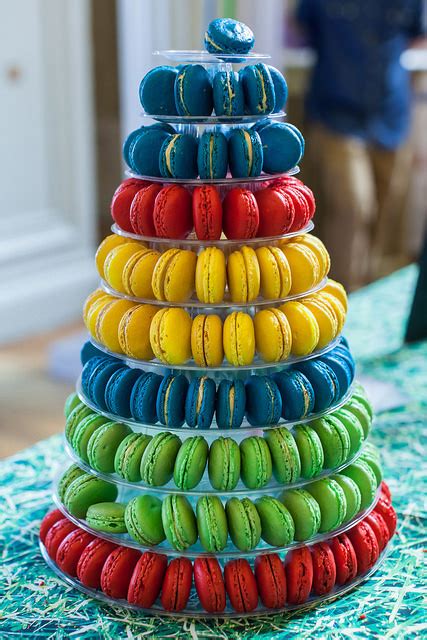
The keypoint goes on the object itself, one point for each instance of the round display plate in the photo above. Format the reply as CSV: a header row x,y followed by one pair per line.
x,y
204,57
264,178
214,119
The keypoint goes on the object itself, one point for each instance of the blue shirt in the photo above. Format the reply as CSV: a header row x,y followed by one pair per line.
x,y
358,85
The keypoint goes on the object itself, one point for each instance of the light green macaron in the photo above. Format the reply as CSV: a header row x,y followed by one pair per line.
x,y
85,491
335,440
224,464
310,450
284,454
158,459
84,431
256,465
305,512
244,524
331,499
143,519
127,461
211,523
179,521
190,463
107,516
103,443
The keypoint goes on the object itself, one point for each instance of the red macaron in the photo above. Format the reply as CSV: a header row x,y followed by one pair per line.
x,y
276,212
345,558
92,560
48,522
70,550
302,211
177,584
172,215
365,545
271,580
299,574
379,527
240,214
117,571
122,200
56,534
207,213
386,509
241,585
385,490
142,210
209,584
324,569
147,578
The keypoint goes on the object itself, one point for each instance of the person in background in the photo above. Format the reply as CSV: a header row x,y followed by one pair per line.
x,y
359,105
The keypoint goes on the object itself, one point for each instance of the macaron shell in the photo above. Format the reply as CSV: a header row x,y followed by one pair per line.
x,y
134,331
365,545
379,527
324,569
271,580
276,212
224,464
190,463
147,578
365,479
116,261
108,244
305,512
304,266
144,521
108,321
386,509
85,491
244,524
211,523
103,443
326,320
310,450
240,214
243,275
239,338
273,335
70,550
117,571
241,585
209,584
207,213
284,454
174,275
158,459
91,562
299,575
277,524
353,497
56,535
172,212
137,279
179,522
345,558
331,500
142,209
210,275
163,331
275,273
256,465
176,585
48,521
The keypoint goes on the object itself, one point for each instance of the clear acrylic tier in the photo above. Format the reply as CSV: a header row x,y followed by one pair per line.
x,y
209,121
204,57
245,183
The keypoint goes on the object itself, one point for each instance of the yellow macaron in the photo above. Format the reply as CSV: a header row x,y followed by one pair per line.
x,y
115,263
273,335
317,246
210,275
94,310
325,317
173,275
134,331
110,242
206,340
338,291
304,266
243,275
239,339
170,335
336,305
275,273
138,273
107,323
304,327
90,301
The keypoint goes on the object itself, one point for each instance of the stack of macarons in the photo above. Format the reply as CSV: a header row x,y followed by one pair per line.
x,y
268,272
157,151
152,210
143,332
290,395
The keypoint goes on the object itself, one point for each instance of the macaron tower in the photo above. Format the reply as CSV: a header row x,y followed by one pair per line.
x,y
218,439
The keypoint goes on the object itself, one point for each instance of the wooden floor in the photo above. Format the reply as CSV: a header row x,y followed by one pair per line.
x,y
31,402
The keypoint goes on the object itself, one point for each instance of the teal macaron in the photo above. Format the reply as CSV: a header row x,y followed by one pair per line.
x,y
244,524
310,450
158,459
179,522
245,153
353,497
228,94
193,91
331,499
284,455
212,155
178,157
67,478
334,438
107,516
211,523
143,519
224,464
277,523
365,478
305,512
258,89
190,463
354,429
127,461
103,443
256,464
85,491
83,433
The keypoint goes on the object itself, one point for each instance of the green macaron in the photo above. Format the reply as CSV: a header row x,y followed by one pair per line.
x,y
224,464
354,429
107,516
310,450
190,463
335,440
244,524
143,519
284,455
305,512
360,394
79,412
85,491
179,522
211,523
256,464
103,443
331,500
277,523
158,459
364,477
67,478
83,432
371,457
71,403
359,410
353,497
127,461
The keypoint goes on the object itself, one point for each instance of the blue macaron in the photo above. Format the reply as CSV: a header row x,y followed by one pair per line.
x,y
345,353
280,88
341,369
193,91
258,89
261,124
343,341
89,368
225,35
144,151
230,404
297,394
178,157
212,155
263,401
142,398
118,391
245,153
157,91
281,146
228,97
89,351
200,402
170,403
98,381
324,382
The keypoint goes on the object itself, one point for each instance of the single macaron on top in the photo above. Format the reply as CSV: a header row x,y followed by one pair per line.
x,y
225,35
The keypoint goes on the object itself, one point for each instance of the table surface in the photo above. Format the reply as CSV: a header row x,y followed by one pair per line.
x,y
34,603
